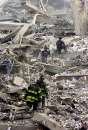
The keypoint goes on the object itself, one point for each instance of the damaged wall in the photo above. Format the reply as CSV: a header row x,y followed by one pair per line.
x,y
80,17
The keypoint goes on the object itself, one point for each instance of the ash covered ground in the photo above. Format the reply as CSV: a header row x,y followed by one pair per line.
x,y
66,74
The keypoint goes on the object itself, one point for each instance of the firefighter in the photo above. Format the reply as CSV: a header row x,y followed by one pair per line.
x,y
60,45
41,84
33,96
36,93
44,54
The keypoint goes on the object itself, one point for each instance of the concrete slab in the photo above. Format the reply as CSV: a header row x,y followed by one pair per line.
x,y
5,127
48,122
10,25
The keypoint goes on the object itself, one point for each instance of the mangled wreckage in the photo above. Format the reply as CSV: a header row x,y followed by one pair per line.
x,y
65,74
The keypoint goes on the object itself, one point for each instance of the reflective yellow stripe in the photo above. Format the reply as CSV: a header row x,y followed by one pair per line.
x,y
30,98
39,91
32,91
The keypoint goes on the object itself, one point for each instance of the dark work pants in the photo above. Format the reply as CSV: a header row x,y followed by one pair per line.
x,y
44,59
59,51
43,101
35,106
29,104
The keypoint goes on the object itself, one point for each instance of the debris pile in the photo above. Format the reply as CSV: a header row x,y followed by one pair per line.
x,y
66,74
68,101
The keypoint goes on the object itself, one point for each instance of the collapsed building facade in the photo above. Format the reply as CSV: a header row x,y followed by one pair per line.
x,y
80,12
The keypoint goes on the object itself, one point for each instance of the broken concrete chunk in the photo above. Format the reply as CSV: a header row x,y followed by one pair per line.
x,y
4,97
18,81
59,86
47,121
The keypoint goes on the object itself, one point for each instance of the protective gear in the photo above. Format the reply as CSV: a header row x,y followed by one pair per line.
x,y
44,54
60,45
36,93
44,90
33,96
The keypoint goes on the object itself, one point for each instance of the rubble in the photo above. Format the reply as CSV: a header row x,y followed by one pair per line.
x,y
67,84
47,121
66,74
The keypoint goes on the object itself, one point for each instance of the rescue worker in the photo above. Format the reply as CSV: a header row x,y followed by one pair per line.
x,y
35,94
40,83
44,54
52,49
60,45
32,96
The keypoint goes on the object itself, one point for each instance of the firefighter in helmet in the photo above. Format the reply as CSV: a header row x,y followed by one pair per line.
x,y
36,93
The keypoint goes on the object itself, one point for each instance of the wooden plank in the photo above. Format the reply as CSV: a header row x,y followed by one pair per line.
x,y
34,8
53,69
21,33
10,25
61,77
73,75
30,126
13,46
